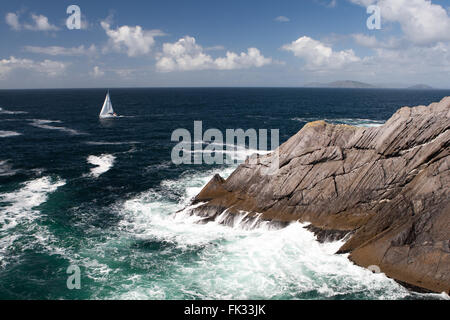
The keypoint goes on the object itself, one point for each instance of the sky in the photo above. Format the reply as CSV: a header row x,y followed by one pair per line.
x,y
234,43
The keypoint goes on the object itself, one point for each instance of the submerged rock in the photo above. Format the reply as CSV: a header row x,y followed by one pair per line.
x,y
388,186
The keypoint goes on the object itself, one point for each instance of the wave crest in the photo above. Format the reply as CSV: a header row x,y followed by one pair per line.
x,y
102,164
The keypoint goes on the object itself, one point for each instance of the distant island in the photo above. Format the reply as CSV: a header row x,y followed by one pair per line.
x,y
420,87
350,84
340,84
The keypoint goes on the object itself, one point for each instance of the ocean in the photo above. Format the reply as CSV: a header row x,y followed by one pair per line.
x,y
105,196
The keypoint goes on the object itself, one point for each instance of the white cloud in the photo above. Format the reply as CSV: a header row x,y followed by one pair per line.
x,y
84,22
12,19
40,24
372,42
282,19
135,40
332,4
364,3
186,54
124,73
251,58
318,55
365,40
49,67
422,22
97,72
416,60
419,64
416,64
327,3
391,61
421,53
62,51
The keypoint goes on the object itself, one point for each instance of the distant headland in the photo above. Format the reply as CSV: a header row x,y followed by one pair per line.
x,y
350,84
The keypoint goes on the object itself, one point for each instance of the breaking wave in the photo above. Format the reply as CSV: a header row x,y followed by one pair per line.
x,y
179,258
102,164
349,121
6,169
6,134
44,124
18,213
3,111
107,143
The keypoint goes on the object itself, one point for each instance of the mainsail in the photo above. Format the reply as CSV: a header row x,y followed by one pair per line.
x,y
107,109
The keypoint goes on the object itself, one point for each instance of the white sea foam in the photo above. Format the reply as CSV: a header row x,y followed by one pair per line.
x,y
187,259
6,134
6,168
102,164
3,111
44,124
107,143
241,262
444,296
17,212
158,166
21,202
350,121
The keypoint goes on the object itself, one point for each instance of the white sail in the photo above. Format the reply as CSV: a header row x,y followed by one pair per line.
x,y
107,109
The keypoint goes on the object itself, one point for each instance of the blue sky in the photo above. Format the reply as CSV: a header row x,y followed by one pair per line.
x,y
223,43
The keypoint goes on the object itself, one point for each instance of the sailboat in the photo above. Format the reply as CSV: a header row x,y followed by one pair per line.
x,y
107,109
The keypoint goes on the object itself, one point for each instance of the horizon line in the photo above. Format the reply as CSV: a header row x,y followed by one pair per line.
x,y
227,87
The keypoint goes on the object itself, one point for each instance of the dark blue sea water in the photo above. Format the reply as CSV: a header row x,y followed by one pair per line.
x,y
103,195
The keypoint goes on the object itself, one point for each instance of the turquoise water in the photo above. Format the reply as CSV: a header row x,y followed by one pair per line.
x,y
104,195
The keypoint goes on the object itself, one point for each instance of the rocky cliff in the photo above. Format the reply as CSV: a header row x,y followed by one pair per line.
x,y
387,186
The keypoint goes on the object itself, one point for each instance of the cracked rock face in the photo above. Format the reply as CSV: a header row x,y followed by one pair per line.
x,y
389,186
